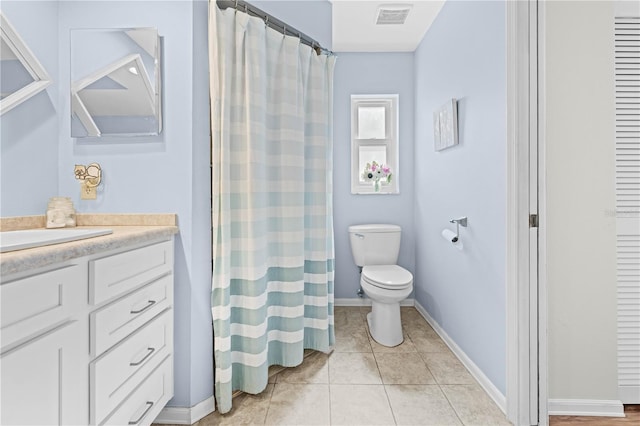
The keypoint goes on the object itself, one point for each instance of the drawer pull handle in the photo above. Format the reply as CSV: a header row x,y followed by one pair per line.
x,y
150,304
135,422
135,364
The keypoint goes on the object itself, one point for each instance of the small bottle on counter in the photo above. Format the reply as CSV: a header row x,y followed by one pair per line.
x,y
60,213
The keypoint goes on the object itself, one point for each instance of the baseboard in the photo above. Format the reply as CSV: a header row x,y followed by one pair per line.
x,y
186,415
586,407
487,385
364,301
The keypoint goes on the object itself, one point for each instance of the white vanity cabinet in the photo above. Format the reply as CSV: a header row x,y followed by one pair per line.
x,y
91,341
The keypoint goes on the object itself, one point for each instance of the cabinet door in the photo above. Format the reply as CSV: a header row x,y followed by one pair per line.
x,y
37,302
42,381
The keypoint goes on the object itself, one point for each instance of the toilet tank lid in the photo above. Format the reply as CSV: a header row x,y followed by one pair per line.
x,y
374,227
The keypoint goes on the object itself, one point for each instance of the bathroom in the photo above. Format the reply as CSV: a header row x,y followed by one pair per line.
x,y
460,57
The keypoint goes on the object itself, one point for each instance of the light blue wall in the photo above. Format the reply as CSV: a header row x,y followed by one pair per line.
x,y
371,73
463,56
154,174
29,132
165,173
201,333
158,174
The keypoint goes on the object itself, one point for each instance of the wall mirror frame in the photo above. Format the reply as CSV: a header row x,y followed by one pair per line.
x,y
115,82
23,76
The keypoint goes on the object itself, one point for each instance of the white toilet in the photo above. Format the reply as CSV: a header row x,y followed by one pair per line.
x,y
375,249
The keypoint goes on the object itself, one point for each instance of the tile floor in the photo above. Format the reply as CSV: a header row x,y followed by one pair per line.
x,y
419,382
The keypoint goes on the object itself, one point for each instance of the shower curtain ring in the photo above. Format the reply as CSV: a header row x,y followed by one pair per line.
x,y
236,6
266,20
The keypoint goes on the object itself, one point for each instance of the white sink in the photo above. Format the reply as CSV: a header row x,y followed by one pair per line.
x,y
29,238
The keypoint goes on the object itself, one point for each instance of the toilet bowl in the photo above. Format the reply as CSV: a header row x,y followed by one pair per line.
x,y
386,286
375,248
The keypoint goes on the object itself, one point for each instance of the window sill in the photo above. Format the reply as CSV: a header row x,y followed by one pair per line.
x,y
372,192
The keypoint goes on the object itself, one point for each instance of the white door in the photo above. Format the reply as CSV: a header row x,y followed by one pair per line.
x,y
627,181
525,384
42,383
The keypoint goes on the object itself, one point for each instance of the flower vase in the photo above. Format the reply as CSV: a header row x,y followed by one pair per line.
x,y
376,185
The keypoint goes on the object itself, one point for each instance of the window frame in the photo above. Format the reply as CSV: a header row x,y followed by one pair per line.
x,y
391,141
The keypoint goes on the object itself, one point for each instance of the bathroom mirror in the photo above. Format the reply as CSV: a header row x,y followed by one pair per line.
x,y
115,82
21,75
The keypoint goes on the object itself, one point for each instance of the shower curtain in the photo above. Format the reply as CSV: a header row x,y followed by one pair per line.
x,y
273,254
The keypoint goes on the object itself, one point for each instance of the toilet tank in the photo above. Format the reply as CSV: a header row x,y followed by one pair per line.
x,y
375,244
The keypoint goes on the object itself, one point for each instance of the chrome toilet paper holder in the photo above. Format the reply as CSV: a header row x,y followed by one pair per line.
x,y
461,221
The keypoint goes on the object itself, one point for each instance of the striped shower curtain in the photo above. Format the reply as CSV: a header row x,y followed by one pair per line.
x,y
273,254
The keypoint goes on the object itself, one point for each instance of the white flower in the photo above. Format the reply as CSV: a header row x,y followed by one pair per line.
x,y
367,176
374,172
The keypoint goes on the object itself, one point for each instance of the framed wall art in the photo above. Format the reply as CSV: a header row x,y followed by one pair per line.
x,y
445,125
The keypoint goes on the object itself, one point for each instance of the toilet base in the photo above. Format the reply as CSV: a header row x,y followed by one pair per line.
x,y
384,323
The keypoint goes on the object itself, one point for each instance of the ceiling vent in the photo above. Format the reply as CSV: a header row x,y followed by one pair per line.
x,y
392,14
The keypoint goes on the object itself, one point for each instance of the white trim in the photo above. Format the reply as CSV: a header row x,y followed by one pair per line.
x,y
543,361
531,284
522,365
493,392
357,301
40,76
186,415
80,110
512,214
586,407
391,102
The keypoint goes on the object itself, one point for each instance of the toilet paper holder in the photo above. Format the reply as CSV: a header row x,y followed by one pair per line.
x,y
461,221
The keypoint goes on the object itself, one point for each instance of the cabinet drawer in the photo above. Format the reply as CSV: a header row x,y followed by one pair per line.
x,y
30,305
115,275
144,404
122,317
121,369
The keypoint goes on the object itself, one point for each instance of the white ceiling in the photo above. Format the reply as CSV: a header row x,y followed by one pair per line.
x,y
354,28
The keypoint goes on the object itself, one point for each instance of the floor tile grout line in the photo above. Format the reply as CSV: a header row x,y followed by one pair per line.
x,y
266,415
426,364
435,379
376,361
393,413
451,405
329,387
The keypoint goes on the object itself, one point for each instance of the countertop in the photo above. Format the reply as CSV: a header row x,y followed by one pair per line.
x,y
128,230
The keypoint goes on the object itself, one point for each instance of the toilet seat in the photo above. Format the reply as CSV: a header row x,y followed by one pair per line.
x,y
390,277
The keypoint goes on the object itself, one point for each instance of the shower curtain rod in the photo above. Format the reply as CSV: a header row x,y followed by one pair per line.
x,y
274,23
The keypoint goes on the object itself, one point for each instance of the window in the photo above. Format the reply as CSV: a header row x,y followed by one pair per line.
x,y
374,138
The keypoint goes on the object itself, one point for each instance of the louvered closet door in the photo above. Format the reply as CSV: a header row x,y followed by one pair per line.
x,y
627,142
